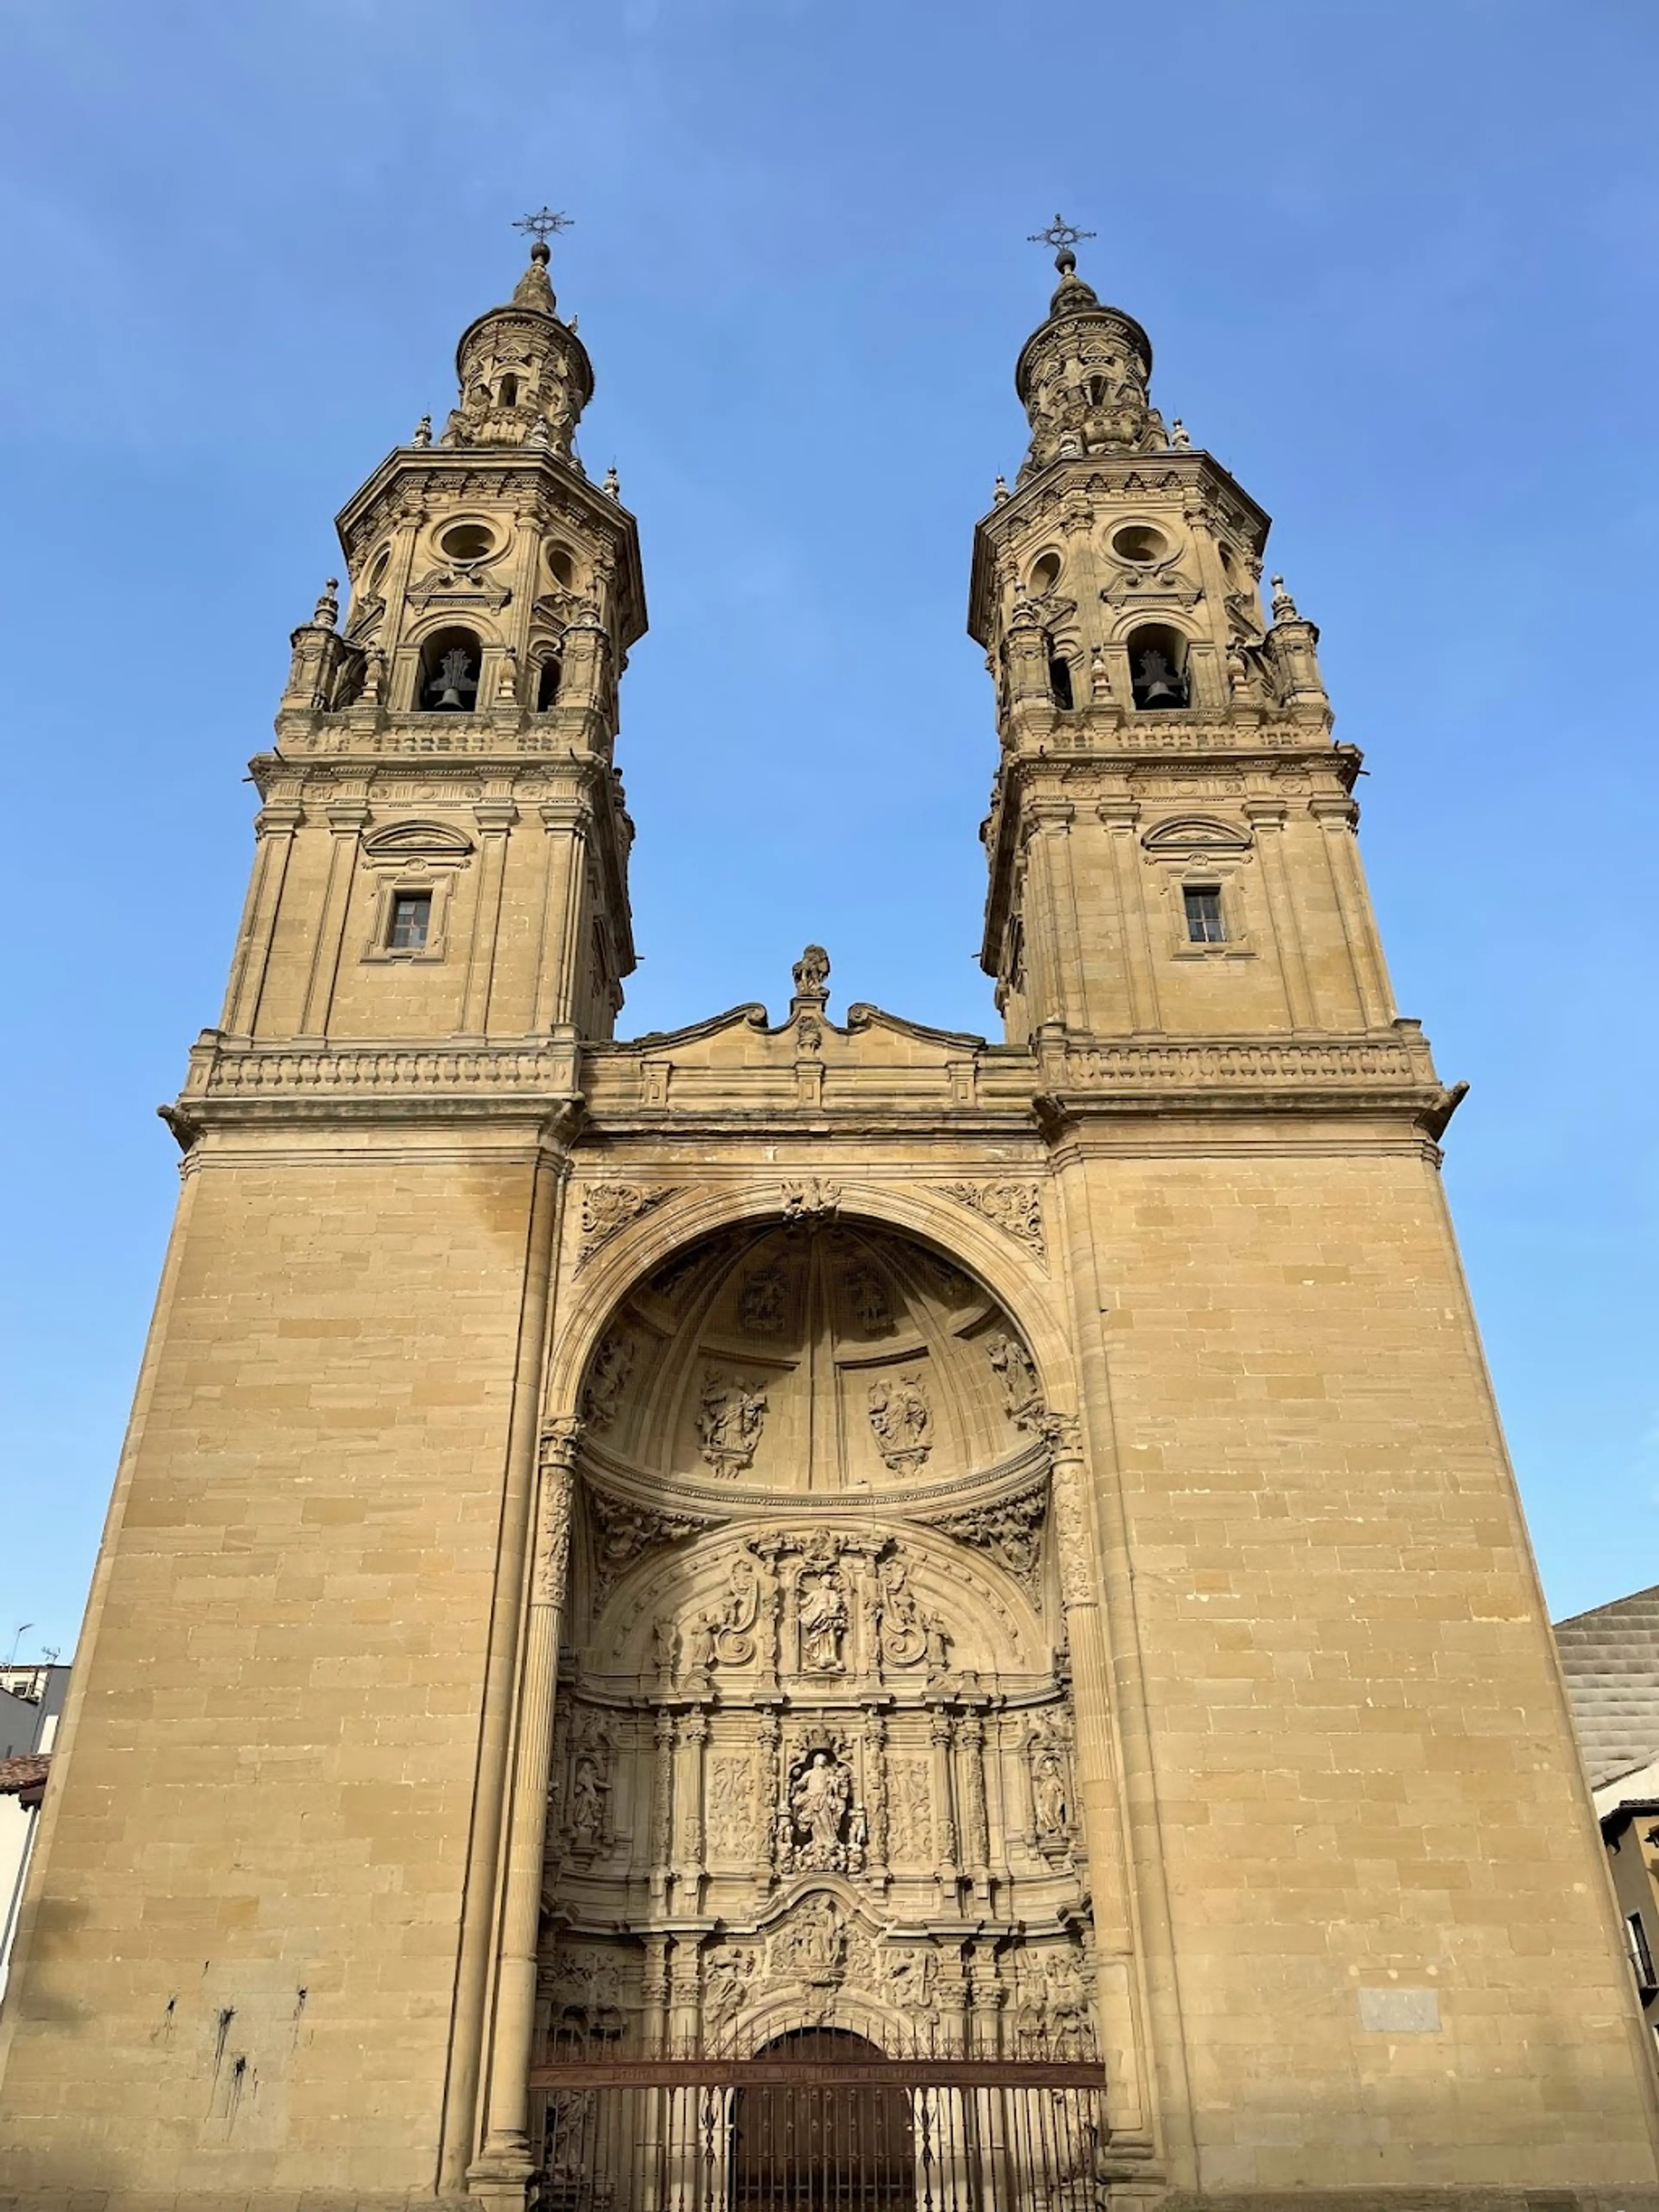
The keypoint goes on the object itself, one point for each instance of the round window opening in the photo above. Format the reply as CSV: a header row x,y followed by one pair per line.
x,y
563,568
1138,543
1046,575
468,541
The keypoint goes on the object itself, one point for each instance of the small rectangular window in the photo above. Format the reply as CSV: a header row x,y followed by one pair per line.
x,y
1204,914
1641,1957
412,921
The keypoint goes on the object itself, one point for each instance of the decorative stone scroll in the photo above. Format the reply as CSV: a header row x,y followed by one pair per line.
x,y
1016,1208
609,1206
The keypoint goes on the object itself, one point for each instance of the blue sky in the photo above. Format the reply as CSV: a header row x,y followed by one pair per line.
x,y
1397,261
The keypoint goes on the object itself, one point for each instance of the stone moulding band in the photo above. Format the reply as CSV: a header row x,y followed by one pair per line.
x,y
428,1069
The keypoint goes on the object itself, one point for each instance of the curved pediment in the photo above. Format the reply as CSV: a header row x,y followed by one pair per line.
x,y
1197,833
417,841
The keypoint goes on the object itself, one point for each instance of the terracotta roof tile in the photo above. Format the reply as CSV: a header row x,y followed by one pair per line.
x,y
24,1775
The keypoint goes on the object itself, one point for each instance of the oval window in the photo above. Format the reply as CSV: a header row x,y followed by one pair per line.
x,y
1045,575
1139,544
467,541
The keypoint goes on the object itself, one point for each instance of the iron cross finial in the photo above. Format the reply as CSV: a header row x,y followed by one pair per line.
x,y
543,225
1059,234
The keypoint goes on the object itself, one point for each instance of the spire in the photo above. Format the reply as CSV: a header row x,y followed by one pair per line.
x,y
1082,375
525,375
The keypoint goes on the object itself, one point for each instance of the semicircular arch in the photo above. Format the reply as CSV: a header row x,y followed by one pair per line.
x,y
960,1237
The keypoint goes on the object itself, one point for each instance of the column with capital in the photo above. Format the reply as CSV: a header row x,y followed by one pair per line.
x,y
1076,1552
501,2172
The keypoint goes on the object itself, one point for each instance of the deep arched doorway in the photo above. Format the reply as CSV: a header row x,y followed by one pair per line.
x,y
821,2143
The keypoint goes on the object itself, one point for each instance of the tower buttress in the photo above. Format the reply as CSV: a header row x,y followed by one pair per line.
x,y
1170,836
443,848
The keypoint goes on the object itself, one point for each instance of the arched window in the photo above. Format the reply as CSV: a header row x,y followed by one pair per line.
x,y
547,683
509,392
1060,683
449,680
1158,668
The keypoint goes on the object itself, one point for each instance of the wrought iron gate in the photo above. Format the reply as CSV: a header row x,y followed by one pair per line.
x,y
810,2127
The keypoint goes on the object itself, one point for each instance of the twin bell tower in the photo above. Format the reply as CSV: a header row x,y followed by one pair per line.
x,y
815,1596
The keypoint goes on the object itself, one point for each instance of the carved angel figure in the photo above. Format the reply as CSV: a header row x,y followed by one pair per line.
x,y
822,1622
901,1420
725,1982
730,1418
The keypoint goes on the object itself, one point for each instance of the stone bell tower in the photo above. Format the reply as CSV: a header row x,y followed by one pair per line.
x,y
1116,592
493,586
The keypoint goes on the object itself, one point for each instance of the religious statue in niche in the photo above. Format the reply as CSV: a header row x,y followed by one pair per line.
x,y
904,1631
901,1421
820,1808
823,1616
588,1798
1048,1749
730,1418
587,1802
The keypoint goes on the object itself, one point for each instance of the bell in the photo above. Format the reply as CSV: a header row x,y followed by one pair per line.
x,y
450,681
1157,683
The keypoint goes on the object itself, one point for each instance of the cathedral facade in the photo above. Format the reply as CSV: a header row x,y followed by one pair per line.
x,y
976,1582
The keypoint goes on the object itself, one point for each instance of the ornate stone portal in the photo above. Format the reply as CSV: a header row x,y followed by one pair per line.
x,y
813,1759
